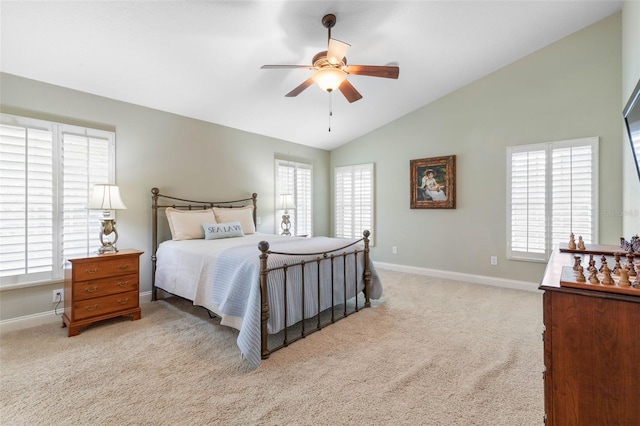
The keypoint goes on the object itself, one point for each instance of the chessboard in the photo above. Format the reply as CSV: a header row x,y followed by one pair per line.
x,y
568,279
600,249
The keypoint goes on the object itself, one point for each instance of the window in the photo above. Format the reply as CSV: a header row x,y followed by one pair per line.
x,y
47,172
295,179
551,192
353,200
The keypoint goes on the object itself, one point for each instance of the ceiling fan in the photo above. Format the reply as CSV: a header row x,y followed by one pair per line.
x,y
331,68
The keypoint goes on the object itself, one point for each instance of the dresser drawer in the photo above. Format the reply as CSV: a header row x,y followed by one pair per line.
x,y
105,305
83,290
102,268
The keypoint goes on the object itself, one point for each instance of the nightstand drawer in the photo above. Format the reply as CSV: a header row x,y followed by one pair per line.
x,y
105,305
102,268
96,288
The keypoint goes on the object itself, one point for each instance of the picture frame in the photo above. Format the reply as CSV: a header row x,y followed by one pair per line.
x,y
631,114
433,183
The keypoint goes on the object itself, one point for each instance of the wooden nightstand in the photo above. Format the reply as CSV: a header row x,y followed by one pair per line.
x,y
101,286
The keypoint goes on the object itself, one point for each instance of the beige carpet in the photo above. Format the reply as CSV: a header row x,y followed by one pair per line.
x,y
431,352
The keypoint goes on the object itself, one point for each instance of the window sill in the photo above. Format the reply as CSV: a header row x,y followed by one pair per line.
x,y
18,286
526,259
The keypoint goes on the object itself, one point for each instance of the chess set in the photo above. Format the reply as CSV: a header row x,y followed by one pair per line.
x,y
622,276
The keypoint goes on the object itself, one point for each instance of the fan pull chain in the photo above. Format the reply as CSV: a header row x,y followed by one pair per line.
x,y
330,109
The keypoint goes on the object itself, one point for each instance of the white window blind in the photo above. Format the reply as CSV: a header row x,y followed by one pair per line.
x,y
47,172
552,191
353,200
295,179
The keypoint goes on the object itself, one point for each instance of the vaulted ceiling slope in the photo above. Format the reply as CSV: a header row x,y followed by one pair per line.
x,y
202,59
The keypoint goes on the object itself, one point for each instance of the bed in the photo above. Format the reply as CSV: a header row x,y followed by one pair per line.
x,y
273,289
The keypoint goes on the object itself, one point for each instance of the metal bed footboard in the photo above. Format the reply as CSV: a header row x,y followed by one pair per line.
x,y
338,255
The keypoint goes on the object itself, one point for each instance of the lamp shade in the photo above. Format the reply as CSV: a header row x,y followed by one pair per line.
x,y
329,79
105,197
286,202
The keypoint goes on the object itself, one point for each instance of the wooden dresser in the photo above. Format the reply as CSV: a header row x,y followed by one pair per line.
x,y
101,286
591,352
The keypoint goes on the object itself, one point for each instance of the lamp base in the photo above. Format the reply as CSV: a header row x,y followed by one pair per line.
x,y
108,228
285,225
107,248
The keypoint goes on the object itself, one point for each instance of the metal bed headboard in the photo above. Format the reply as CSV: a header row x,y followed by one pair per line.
x,y
161,201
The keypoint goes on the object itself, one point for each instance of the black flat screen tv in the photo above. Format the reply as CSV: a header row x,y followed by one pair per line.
x,y
631,114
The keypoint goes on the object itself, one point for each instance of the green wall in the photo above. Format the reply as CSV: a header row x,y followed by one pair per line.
x,y
181,156
630,77
570,89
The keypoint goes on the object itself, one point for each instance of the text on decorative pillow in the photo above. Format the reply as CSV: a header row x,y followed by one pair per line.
x,y
214,231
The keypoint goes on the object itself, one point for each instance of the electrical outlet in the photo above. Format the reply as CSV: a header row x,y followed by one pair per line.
x,y
58,295
258,220
494,260
394,250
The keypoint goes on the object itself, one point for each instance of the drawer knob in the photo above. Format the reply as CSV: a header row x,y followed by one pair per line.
x,y
123,283
91,290
91,308
123,302
123,267
91,271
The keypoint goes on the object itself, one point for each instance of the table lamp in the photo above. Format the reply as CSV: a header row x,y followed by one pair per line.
x,y
286,203
106,198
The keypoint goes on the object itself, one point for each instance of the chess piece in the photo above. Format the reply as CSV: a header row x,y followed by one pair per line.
x,y
624,277
580,243
572,242
616,268
630,246
606,279
592,263
576,264
632,269
580,275
593,276
624,245
603,263
636,283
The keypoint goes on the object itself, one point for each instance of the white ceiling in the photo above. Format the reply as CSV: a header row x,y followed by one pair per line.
x,y
202,59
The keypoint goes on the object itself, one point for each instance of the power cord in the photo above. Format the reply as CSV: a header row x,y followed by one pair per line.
x,y
57,302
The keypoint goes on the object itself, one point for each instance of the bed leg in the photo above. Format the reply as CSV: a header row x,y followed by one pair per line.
x,y
367,270
154,289
264,314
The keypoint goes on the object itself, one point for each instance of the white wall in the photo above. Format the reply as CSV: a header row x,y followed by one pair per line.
x,y
181,156
630,77
570,89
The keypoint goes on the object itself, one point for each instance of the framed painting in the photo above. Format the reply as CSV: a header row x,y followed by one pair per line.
x,y
433,183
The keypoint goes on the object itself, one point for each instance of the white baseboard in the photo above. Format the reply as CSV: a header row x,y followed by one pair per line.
x,y
28,321
34,320
459,276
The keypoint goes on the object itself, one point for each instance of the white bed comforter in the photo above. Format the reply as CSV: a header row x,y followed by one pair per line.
x,y
223,276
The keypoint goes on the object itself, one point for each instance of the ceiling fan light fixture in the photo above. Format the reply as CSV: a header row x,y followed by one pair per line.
x,y
329,78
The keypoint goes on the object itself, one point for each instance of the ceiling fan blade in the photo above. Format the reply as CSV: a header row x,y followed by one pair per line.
x,y
295,92
349,91
337,50
373,70
275,67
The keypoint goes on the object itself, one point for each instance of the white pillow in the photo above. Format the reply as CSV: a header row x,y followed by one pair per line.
x,y
187,224
244,215
214,231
